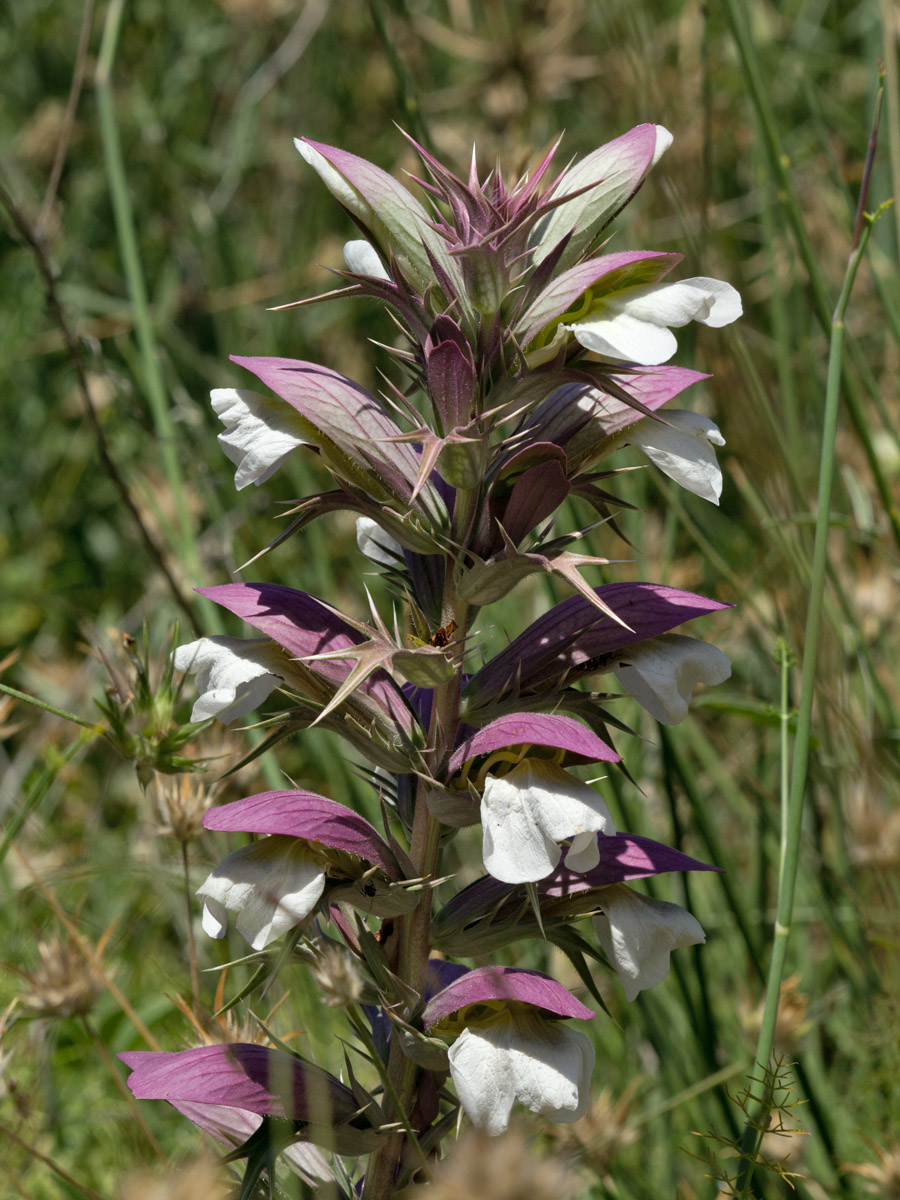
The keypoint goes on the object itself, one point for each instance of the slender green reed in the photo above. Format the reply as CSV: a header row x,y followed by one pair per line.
x,y
793,798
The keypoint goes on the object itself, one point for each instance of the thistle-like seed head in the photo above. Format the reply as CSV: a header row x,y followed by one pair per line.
x,y
497,1168
64,984
338,978
181,801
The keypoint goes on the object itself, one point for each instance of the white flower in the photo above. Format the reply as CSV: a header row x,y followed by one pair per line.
x,y
543,1064
260,432
635,323
272,885
528,811
377,544
683,450
638,934
663,673
234,675
664,140
361,257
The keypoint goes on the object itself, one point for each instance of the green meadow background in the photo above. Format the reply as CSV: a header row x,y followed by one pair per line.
x,y
209,208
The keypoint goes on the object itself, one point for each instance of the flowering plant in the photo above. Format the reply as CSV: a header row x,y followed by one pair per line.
x,y
529,357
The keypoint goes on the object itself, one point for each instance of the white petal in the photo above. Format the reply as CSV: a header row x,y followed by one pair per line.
x,y
544,1065
272,885
638,934
583,854
260,433
724,301
215,918
621,335
334,181
634,323
664,140
377,544
664,672
527,812
709,301
362,257
683,450
234,675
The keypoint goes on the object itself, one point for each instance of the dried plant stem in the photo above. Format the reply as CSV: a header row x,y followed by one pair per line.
x,y
62,148
189,908
793,795
123,1087
6,1132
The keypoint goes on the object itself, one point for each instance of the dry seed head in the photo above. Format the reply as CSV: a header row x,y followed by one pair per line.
x,y
602,1132
496,1168
884,1175
65,984
874,827
202,1179
793,1015
336,974
181,801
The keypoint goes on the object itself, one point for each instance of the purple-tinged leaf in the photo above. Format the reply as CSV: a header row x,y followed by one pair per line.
x,y
440,974
609,273
536,729
451,381
504,983
352,420
623,857
233,1126
535,496
581,417
490,914
386,208
309,816
571,636
604,181
238,1075
304,626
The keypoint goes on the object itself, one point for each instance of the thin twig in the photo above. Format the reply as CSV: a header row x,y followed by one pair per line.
x,y
85,950
48,1162
65,137
123,1088
73,348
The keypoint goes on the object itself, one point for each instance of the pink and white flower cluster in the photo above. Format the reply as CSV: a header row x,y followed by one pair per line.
x,y
531,356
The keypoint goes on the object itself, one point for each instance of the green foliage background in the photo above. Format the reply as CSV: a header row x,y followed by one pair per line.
x,y
229,221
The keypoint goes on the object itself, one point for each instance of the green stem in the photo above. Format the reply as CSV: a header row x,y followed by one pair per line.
x,y
57,712
415,929
792,818
137,290
779,165
37,790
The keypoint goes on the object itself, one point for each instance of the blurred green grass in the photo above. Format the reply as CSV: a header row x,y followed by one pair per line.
x,y
228,222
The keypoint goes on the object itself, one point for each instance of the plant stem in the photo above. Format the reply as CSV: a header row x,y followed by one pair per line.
x,y
128,247
123,1088
189,906
93,726
414,929
779,164
54,1167
792,817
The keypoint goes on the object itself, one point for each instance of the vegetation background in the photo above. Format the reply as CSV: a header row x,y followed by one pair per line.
x,y
771,105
